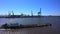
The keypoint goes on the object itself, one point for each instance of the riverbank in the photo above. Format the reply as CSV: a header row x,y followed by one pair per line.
x,y
17,16
16,26
36,30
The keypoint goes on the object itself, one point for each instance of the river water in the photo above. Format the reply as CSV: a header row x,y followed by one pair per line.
x,y
54,29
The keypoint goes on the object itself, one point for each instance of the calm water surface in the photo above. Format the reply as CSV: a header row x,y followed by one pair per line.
x,y
54,29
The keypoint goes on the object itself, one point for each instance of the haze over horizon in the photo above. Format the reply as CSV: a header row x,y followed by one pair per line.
x,y
48,7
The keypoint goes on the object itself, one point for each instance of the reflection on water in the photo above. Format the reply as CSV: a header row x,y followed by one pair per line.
x,y
54,29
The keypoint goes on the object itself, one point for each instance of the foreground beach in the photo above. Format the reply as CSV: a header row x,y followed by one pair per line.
x,y
36,30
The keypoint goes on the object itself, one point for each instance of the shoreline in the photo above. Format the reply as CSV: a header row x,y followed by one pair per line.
x,y
18,16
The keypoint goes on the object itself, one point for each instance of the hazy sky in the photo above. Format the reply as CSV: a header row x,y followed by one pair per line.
x,y
49,7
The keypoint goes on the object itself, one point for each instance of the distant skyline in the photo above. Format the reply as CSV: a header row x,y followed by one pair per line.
x,y
48,7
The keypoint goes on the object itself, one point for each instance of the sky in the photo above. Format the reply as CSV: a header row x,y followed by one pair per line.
x,y
48,7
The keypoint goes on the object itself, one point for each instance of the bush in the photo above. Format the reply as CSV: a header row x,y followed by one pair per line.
x,y
5,26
